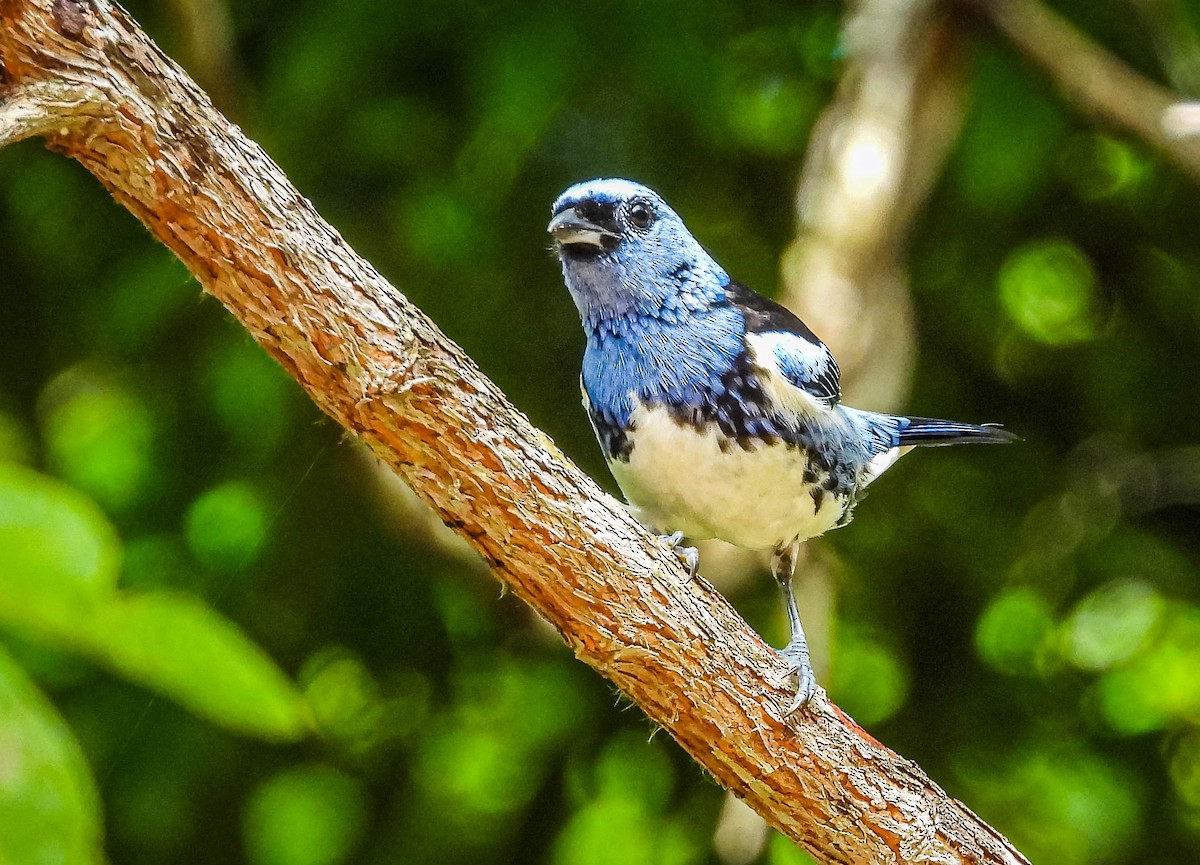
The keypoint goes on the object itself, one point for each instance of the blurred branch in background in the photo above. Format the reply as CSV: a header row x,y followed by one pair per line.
x,y
874,155
379,366
1097,82
1175,40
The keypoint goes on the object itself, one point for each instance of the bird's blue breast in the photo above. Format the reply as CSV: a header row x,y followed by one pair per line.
x,y
678,361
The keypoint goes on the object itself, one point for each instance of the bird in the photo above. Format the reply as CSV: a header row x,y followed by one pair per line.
x,y
718,410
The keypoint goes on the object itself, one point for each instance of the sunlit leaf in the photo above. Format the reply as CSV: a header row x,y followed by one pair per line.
x,y
177,644
58,553
49,806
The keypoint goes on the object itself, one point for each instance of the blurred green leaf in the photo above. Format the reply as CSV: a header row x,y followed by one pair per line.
x,y
143,297
1098,166
99,436
250,394
783,852
49,805
175,643
1048,288
345,701
1009,137
867,678
1111,624
58,553
59,558
1157,686
607,831
636,770
1061,802
16,441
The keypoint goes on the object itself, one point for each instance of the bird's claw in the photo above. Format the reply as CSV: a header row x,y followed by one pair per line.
x,y
690,556
796,656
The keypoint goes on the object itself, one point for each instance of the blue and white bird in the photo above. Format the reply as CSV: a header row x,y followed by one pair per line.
x,y
718,410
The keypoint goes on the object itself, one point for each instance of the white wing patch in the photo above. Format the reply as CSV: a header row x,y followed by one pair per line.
x,y
765,349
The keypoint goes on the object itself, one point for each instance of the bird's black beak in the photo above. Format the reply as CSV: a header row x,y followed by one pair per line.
x,y
569,228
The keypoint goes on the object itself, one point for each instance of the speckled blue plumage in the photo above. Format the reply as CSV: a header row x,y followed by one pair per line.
x,y
668,329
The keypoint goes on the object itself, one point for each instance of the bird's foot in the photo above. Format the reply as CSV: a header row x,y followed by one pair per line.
x,y
795,654
690,556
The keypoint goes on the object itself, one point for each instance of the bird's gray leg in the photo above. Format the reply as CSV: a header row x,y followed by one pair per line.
x,y
690,556
783,563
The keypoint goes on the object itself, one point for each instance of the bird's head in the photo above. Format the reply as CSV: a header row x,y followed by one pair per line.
x,y
624,252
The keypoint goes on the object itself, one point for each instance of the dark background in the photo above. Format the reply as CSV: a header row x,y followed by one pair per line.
x,y
1023,622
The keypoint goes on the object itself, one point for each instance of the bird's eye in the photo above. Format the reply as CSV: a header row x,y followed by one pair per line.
x,y
641,215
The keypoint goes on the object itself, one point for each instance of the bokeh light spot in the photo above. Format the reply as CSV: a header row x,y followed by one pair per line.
x,y
306,815
1110,624
1159,684
632,768
344,698
1048,289
1099,166
99,436
867,678
226,526
1013,630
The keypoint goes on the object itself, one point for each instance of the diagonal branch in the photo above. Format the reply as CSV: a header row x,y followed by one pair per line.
x,y
379,367
1097,82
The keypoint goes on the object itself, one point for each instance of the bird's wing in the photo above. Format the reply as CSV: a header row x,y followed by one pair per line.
x,y
799,357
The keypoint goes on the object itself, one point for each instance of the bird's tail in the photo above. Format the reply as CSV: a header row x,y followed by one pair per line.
x,y
928,431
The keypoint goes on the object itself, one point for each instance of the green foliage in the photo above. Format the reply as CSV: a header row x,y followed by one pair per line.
x,y
1068,804
621,814
305,815
179,526
226,526
868,681
784,852
1047,289
49,805
60,559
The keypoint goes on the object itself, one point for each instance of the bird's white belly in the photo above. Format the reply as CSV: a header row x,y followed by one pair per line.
x,y
678,479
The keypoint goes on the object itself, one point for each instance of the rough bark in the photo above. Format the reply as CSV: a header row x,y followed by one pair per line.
x,y
82,74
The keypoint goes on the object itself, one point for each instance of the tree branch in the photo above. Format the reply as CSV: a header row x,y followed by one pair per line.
x,y
1097,82
380,368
